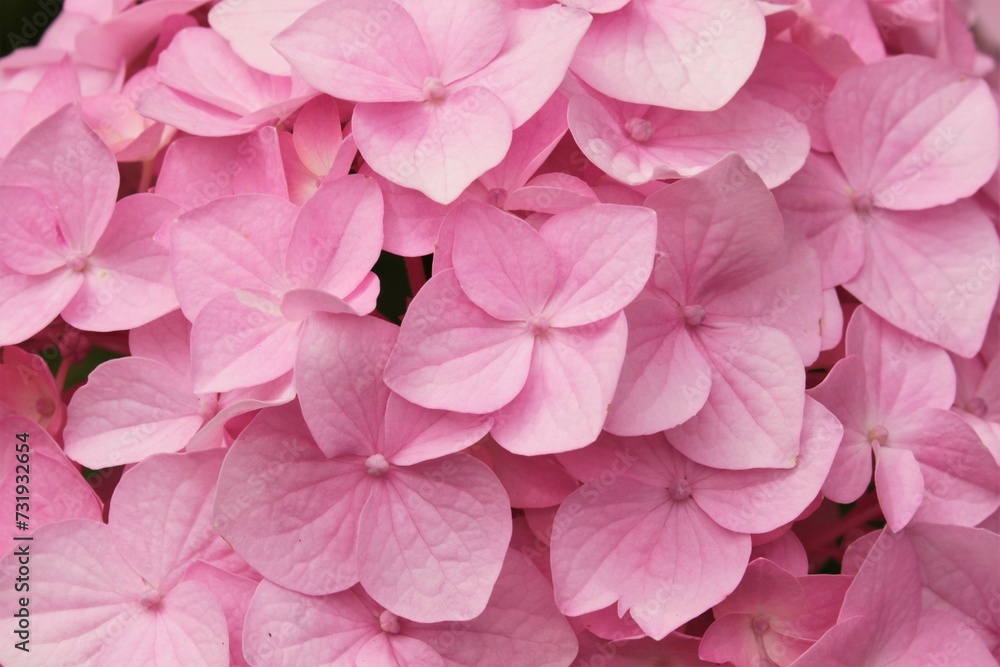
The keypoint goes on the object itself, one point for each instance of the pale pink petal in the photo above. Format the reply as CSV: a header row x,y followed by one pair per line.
x,y
236,242
127,281
166,340
338,375
193,115
853,20
596,6
787,552
940,634
843,392
718,230
902,130
297,304
392,650
328,630
435,146
653,52
250,25
81,590
31,241
520,626
570,384
160,414
169,496
664,561
530,481
414,434
430,545
57,489
551,193
534,59
665,378
900,485
318,137
241,339
961,479
337,236
502,264
64,160
604,255
903,375
756,501
462,36
29,303
197,170
932,273
359,50
636,144
753,415
817,200
276,483
452,355
233,594
411,219
530,145
188,628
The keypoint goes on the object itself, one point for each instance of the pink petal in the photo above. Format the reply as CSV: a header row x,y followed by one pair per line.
x,y
436,146
127,281
188,628
943,295
673,53
318,136
414,434
161,414
843,392
411,219
903,375
81,182
360,51
756,501
197,170
58,490
337,236
756,392
241,339
900,485
166,340
530,145
936,636
712,250
431,544
502,264
232,243
249,27
170,496
637,144
570,383
461,36
31,241
520,626
551,193
604,254
666,562
452,355
665,378
397,651
817,200
534,59
961,479
81,588
267,492
530,481
901,129
338,375
327,630
29,303
233,594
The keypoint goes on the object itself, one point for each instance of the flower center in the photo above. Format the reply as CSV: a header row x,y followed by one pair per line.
x,y
864,205
208,406
376,465
694,315
680,490
879,435
434,89
761,625
77,261
537,325
639,129
497,197
389,622
150,597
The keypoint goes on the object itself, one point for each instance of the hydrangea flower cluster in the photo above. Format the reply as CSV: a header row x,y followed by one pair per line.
x,y
699,363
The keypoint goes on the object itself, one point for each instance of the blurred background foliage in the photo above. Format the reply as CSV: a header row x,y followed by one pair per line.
x,y
22,22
